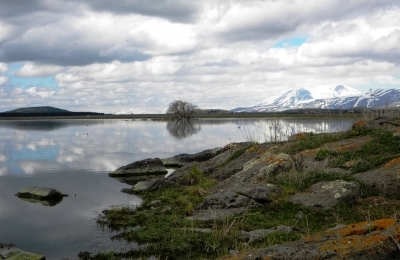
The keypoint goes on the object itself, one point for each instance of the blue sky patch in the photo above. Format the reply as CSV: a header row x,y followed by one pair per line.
x,y
27,82
290,42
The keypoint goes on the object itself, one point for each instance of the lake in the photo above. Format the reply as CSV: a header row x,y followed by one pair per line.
x,y
75,157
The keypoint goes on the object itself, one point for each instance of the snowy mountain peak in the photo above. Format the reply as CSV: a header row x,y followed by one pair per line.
x,y
338,97
293,97
343,91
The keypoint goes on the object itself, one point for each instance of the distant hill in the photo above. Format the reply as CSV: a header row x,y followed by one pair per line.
x,y
43,111
46,109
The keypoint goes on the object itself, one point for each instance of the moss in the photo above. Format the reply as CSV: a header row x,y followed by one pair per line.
x,y
323,154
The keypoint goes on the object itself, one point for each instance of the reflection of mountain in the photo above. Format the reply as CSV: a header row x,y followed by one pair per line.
x,y
41,125
182,128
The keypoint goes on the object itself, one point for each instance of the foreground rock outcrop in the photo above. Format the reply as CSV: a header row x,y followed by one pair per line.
x,y
366,240
263,194
11,252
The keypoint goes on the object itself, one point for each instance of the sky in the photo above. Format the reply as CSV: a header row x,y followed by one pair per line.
x,y
137,56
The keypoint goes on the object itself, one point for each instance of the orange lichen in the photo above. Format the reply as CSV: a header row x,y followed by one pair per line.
x,y
300,136
392,163
351,163
366,227
272,160
309,152
358,124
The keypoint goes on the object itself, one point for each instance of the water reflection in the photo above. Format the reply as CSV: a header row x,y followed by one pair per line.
x,y
182,128
48,203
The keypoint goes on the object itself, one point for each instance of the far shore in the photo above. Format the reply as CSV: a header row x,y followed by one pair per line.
x,y
166,117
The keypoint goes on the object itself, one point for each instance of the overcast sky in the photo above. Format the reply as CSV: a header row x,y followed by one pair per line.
x,y
139,55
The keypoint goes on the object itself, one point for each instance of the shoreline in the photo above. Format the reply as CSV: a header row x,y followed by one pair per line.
x,y
165,117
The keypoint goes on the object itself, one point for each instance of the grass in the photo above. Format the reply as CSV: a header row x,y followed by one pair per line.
x,y
380,150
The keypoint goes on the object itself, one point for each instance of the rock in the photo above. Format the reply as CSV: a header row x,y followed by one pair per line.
x,y
11,252
260,192
384,180
141,186
371,240
339,171
184,158
263,166
325,195
141,168
383,123
306,159
45,196
223,204
259,234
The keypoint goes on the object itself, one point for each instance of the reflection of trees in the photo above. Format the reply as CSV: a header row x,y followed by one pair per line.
x,y
182,128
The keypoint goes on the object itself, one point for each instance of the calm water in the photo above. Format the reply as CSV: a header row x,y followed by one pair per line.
x,y
75,156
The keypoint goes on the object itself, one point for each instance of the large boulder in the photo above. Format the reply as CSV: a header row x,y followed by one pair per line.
x,y
45,196
222,204
307,159
11,252
184,158
371,240
260,192
260,234
384,180
325,195
141,168
263,166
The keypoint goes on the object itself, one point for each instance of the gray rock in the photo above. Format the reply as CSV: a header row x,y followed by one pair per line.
x,y
384,180
260,168
325,195
223,204
141,186
260,192
338,171
45,196
141,168
184,158
11,252
259,234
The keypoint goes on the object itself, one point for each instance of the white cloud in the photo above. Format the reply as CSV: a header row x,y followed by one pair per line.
x,y
40,92
3,67
30,69
220,54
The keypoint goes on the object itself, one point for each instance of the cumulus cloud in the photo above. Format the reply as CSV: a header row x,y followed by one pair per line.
x,y
139,56
31,69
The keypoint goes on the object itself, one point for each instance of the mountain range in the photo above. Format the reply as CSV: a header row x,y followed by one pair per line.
x,y
339,97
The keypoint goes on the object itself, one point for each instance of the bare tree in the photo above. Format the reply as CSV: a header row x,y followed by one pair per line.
x,y
181,109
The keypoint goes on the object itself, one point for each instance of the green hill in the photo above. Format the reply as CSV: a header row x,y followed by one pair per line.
x,y
34,110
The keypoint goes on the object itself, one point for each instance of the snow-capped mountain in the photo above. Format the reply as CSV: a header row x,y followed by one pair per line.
x,y
339,97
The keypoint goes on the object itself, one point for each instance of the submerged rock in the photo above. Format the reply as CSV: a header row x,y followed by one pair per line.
x,y
45,196
11,252
141,168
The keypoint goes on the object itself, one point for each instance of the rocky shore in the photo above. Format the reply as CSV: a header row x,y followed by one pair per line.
x,y
317,196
